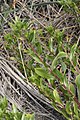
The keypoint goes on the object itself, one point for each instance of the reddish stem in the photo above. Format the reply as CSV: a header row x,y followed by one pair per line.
x,y
75,99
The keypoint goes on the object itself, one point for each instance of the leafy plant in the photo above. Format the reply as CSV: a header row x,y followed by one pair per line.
x,y
70,6
53,65
14,114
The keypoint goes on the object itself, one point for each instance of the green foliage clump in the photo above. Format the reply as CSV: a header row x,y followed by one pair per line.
x,y
70,6
14,114
49,65
54,62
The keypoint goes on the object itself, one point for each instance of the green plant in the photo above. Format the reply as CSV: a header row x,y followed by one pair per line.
x,y
52,81
70,6
14,114
53,65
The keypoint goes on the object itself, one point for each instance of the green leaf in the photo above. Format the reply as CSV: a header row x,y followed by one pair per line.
x,y
59,74
55,107
75,108
65,80
43,73
51,44
77,81
57,97
39,47
9,38
30,117
3,103
72,88
23,116
50,30
58,35
68,107
65,114
36,58
33,36
60,55
14,108
64,67
73,49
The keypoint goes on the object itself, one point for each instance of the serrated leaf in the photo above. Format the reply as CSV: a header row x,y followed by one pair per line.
x,y
43,73
60,55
